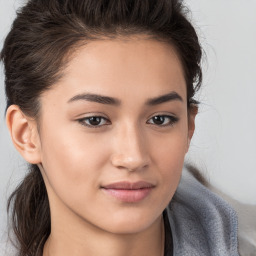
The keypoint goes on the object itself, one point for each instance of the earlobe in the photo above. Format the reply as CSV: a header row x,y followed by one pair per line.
x,y
24,134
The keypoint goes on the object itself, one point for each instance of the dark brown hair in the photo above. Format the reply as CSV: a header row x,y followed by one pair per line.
x,y
35,52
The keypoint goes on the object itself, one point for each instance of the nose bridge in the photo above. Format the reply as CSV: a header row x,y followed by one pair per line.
x,y
130,148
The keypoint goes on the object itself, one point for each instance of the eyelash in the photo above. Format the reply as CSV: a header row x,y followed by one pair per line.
x,y
83,121
171,122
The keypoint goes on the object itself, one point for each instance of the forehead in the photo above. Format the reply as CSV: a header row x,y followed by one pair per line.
x,y
121,67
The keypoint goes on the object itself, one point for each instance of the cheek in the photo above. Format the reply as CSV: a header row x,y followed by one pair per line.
x,y
169,157
72,160
170,149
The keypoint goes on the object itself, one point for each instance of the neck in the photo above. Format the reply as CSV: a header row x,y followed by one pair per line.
x,y
64,241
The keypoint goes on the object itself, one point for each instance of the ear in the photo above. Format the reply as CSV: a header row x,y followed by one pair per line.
x,y
24,134
192,112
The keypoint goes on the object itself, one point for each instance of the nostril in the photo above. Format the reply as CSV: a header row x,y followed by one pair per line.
x,y
129,163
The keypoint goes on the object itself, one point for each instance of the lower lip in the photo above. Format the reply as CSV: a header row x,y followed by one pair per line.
x,y
129,196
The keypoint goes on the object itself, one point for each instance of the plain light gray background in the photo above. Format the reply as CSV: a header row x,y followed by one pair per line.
x,y
224,143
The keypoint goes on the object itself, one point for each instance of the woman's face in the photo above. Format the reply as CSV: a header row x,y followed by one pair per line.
x,y
114,132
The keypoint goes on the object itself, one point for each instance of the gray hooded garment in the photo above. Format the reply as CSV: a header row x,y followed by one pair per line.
x,y
201,222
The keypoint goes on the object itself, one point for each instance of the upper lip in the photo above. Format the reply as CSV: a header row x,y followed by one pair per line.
x,y
128,185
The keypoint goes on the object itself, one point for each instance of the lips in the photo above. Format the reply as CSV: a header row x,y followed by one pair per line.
x,y
129,192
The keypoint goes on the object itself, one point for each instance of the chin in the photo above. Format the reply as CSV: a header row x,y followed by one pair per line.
x,y
130,223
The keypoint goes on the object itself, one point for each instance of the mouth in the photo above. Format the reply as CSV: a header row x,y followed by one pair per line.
x,y
129,192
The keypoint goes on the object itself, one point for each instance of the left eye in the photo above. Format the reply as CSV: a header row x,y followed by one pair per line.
x,y
93,121
162,120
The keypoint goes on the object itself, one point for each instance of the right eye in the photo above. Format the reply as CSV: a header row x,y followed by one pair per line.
x,y
94,121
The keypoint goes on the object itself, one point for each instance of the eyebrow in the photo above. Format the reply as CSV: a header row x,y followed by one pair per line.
x,y
96,98
164,98
113,101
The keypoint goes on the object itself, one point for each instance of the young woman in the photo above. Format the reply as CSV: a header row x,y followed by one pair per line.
x,y
100,103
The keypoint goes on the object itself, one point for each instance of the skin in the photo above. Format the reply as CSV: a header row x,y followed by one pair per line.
x,y
127,145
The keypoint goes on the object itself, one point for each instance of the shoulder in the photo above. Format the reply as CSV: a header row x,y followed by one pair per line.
x,y
202,223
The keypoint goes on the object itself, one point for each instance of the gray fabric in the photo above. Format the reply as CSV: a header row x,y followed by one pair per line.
x,y
202,223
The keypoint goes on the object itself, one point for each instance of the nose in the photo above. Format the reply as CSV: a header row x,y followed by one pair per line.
x,y
130,150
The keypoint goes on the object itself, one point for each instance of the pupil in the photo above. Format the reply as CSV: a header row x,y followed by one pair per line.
x,y
94,120
158,119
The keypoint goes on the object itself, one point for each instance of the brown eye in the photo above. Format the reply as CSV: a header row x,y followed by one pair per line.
x,y
93,121
158,120
163,120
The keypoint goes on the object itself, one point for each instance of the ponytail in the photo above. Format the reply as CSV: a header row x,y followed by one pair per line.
x,y
29,212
